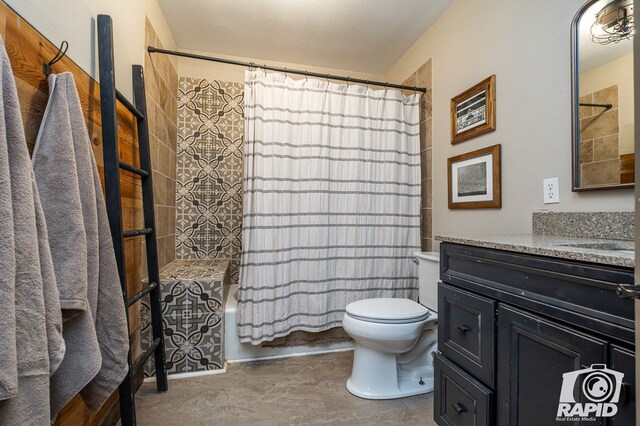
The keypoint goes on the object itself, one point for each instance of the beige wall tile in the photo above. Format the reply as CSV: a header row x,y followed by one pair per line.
x,y
586,111
410,81
153,150
426,221
586,151
423,75
606,148
161,84
164,157
423,135
601,173
429,133
423,193
424,167
607,96
600,125
170,247
163,221
150,79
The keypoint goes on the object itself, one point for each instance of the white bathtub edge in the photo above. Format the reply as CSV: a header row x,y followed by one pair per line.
x,y
271,357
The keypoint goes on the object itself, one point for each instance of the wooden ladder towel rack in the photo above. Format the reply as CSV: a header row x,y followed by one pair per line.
x,y
112,166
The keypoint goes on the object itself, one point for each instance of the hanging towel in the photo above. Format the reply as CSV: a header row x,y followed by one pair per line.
x,y
95,326
8,355
34,334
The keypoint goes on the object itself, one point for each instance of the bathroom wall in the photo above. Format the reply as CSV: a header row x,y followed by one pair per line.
x,y
231,73
526,44
210,170
161,82
75,21
422,78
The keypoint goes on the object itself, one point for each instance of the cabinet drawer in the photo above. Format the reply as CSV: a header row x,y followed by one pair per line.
x,y
466,331
459,398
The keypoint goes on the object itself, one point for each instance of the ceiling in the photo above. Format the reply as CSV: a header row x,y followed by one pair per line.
x,y
357,35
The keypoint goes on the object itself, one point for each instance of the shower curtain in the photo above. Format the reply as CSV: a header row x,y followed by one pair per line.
x,y
331,202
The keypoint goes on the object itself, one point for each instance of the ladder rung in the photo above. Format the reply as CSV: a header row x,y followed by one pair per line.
x,y
133,169
137,232
139,295
129,105
144,357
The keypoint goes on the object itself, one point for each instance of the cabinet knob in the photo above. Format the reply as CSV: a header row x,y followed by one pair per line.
x,y
628,292
459,408
461,329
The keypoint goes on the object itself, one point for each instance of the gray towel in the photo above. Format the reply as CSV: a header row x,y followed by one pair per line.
x,y
8,355
95,327
38,342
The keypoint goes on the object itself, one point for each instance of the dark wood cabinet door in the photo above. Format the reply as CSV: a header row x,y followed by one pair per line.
x,y
466,331
533,353
624,361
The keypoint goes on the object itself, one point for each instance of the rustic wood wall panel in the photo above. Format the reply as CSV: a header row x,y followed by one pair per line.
x,y
28,50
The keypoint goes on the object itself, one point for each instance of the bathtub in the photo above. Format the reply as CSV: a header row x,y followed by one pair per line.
x,y
234,351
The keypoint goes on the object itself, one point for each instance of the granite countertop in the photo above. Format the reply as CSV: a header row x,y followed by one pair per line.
x,y
555,246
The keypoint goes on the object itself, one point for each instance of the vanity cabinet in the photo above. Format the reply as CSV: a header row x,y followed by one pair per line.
x,y
510,325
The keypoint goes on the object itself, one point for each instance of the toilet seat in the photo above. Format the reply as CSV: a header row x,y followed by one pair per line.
x,y
387,310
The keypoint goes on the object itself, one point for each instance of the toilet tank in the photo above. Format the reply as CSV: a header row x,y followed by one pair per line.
x,y
428,276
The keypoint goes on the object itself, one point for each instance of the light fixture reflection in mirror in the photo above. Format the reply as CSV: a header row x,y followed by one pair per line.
x,y
602,87
613,23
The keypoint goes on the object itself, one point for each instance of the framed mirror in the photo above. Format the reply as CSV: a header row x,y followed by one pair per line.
x,y
602,96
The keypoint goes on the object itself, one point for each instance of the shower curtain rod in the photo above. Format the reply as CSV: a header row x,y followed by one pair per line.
x,y
152,49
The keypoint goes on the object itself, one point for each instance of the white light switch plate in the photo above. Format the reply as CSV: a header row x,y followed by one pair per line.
x,y
551,190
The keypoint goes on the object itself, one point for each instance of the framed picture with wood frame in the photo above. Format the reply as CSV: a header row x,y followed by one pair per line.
x,y
474,180
473,112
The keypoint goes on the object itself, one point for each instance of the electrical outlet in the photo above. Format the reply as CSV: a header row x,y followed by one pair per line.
x,y
551,191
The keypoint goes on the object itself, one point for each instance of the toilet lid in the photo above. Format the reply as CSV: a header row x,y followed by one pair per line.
x,y
387,309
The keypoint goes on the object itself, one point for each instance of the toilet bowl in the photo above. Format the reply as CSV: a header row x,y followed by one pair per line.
x,y
394,339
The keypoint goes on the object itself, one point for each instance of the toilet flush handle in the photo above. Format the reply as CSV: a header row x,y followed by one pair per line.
x,y
414,260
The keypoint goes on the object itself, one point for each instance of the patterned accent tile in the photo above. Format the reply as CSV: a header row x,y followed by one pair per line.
x,y
210,170
192,294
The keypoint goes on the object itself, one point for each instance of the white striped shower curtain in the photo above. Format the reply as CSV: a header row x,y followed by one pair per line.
x,y
331,202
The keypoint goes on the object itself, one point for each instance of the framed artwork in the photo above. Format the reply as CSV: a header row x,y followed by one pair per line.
x,y
473,112
474,179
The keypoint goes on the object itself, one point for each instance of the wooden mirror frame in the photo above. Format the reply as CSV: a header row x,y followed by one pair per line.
x,y
575,111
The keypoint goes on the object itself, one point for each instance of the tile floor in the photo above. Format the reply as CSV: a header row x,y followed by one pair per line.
x,y
306,390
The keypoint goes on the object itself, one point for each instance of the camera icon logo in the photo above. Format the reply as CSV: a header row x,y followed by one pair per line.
x,y
590,392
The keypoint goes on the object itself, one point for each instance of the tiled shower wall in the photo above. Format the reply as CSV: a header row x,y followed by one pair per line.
x,y
210,170
161,83
600,159
422,78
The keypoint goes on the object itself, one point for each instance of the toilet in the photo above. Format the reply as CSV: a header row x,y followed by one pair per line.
x,y
394,339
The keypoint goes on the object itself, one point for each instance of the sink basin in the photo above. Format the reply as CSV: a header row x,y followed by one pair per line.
x,y
613,246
